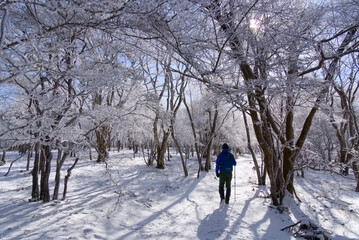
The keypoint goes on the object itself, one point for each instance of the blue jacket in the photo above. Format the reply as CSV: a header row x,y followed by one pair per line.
x,y
225,162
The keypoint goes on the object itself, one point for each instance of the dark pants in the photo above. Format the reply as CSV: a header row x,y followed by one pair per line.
x,y
225,179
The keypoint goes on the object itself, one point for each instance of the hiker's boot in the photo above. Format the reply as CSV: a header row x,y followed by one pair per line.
x,y
228,194
221,194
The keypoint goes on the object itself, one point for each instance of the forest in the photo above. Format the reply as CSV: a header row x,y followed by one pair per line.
x,y
277,80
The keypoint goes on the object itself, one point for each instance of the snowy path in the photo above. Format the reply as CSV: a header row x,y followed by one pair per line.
x,y
158,205
133,201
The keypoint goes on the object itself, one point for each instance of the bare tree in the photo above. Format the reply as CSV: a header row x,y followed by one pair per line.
x,y
155,99
196,140
346,128
175,94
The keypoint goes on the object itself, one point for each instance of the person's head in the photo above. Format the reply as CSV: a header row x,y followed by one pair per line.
x,y
225,146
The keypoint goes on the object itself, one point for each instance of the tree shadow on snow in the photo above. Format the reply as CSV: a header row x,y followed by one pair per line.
x,y
141,225
297,212
214,224
254,229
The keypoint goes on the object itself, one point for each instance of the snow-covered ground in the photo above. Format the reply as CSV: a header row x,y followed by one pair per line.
x,y
129,200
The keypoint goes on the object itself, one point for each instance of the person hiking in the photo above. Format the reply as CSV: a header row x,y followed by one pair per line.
x,y
224,168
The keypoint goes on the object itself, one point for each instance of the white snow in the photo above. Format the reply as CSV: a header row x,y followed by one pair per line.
x,y
132,201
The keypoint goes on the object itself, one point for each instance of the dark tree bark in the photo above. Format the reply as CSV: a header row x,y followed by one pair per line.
x,y
103,131
161,150
35,193
210,136
61,157
103,135
3,157
356,173
67,178
29,154
45,158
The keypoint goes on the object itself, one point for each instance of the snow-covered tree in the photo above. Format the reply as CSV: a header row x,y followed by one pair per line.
x,y
74,67
343,115
282,58
54,63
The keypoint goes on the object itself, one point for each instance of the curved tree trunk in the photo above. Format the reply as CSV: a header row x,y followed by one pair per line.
x,y
67,178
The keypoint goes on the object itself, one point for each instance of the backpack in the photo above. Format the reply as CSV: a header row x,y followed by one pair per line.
x,y
227,162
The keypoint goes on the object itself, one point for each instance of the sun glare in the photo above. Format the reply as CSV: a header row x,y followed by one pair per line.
x,y
254,24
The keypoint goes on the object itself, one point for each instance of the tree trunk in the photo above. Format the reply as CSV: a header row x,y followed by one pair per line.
x,y
67,178
151,153
168,153
184,165
207,165
59,163
211,134
46,157
102,141
118,144
29,154
340,134
35,193
3,157
260,179
356,172
161,150
199,159
288,169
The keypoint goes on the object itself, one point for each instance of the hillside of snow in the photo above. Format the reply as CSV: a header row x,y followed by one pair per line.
x,y
128,200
